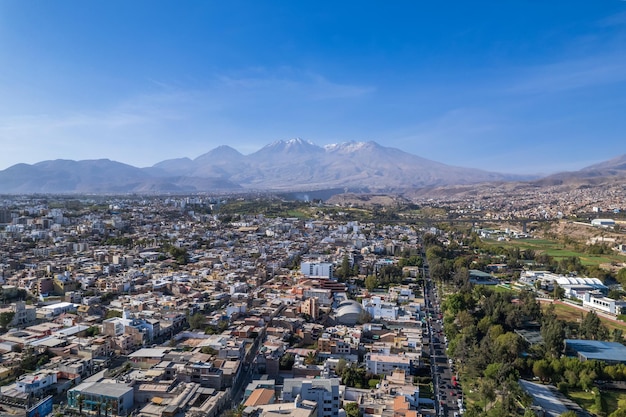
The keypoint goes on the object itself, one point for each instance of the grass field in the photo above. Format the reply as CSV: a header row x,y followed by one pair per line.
x,y
569,313
615,400
557,250
586,399
500,288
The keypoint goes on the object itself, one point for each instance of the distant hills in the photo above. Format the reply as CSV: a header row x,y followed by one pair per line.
x,y
611,171
293,165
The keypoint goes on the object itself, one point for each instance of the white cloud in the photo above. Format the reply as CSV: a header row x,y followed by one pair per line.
x,y
173,120
569,75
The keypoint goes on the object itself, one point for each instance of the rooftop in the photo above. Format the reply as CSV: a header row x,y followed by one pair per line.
x,y
599,350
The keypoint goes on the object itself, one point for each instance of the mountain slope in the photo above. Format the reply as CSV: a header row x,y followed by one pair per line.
x,y
297,164
97,176
283,165
611,170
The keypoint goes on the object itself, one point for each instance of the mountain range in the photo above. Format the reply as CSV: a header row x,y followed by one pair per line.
x,y
292,165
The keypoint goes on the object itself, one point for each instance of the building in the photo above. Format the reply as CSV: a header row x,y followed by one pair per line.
x,y
148,357
310,307
604,304
323,392
36,383
317,269
482,278
324,296
603,223
24,315
91,396
141,330
349,312
260,396
57,309
379,309
385,364
609,352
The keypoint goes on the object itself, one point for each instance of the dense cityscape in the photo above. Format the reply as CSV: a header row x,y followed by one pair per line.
x,y
257,306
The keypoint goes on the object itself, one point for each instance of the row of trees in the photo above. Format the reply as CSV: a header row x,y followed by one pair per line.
x,y
480,324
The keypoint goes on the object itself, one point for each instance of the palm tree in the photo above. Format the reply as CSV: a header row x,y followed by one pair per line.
x,y
80,400
107,407
310,358
99,408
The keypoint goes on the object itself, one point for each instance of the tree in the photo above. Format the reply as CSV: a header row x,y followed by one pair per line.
x,y
81,401
92,331
592,328
113,313
344,270
197,321
286,361
558,293
354,376
352,409
621,276
553,332
529,413
341,365
310,359
6,318
542,370
209,350
371,283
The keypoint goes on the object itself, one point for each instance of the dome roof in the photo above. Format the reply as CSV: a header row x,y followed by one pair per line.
x,y
348,312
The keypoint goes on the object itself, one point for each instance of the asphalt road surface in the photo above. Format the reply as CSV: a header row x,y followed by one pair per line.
x,y
447,395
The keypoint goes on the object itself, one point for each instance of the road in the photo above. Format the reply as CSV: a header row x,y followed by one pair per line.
x,y
447,395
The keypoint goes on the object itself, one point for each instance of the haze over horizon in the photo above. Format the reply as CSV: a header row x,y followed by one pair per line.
x,y
519,87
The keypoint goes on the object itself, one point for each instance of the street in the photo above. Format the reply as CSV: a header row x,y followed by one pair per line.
x,y
447,392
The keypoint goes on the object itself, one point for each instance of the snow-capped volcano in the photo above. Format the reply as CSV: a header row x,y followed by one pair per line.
x,y
294,164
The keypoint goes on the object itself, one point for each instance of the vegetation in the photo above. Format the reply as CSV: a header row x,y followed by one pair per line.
x,y
197,321
480,325
113,313
6,318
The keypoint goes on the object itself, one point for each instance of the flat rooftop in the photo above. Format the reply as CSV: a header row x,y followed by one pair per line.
x,y
596,349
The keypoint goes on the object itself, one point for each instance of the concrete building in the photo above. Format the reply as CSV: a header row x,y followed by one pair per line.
x,y
317,269
348,312
310,307
603,222
604,304
89,396
379,309
385,364
323,392
36,383
609,352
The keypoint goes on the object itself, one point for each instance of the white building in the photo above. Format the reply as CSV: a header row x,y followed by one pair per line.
x,y
385,364
324,392
603,222
317,269
379,309
36,383
605,304
57,309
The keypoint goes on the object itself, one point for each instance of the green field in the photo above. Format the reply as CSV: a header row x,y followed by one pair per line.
x,y
586,399
557,250
569,313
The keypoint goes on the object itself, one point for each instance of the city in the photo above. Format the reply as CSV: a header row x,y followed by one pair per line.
x,y
202,306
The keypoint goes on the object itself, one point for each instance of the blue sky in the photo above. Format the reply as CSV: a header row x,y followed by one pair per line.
x,y
516,86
